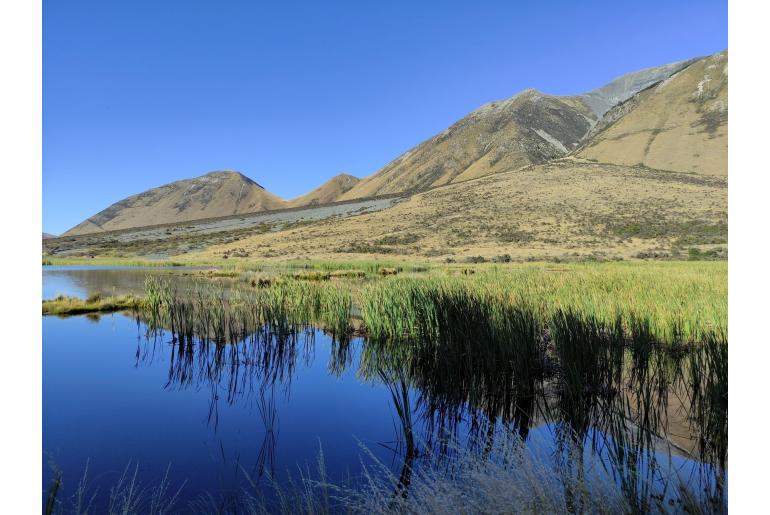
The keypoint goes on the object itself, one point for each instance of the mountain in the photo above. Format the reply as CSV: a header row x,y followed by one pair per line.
x,y
528,128
667,118
329,191
219,193
47,235
679,124
624,87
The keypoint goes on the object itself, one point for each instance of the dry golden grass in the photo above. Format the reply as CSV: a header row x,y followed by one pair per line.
x,y
329,191
680,124
564,208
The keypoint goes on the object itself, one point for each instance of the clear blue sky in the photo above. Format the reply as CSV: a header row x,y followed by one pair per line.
x,y
140,93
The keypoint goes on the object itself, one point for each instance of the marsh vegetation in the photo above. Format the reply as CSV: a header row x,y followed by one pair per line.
x,y
578,388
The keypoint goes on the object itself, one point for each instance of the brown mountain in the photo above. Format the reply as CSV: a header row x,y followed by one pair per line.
x,y
215,194
672,117
528,128
679,124
329,191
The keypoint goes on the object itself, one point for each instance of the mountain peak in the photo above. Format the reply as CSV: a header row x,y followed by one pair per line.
x,y
215,194
344,177
329,191
225,175
603,98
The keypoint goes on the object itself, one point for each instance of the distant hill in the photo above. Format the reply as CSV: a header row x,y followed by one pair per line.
x,y
329,191
47,235
679,124
215,194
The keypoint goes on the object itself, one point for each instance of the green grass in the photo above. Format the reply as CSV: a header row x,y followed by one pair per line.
x,y
112,261
64,305
211,312
368,267
677,302
613,339
669,302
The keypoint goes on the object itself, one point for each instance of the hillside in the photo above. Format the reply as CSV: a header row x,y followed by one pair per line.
x,y
566,209
679,124
329,191
528,128
635,168
215,194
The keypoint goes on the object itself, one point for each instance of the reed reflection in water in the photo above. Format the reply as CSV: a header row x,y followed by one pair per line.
x,y
605,402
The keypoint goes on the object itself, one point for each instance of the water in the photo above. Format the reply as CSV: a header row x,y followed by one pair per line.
x,y
85,280
114,395
107,397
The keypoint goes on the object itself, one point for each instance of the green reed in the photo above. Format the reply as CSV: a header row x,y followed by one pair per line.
x,y
487,340
619,340
674,303
212,311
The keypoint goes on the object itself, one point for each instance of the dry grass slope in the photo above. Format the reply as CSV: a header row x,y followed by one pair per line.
x,y
528,128
211,195
530,177
679,124
566,208
330,191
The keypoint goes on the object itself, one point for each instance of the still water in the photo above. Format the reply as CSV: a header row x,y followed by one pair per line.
x,y
114,396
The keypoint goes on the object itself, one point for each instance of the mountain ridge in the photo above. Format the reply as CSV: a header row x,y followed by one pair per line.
x,y
528,128
217,193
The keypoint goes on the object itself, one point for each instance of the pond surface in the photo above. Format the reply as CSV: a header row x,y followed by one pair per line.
x,y
114,395
85,280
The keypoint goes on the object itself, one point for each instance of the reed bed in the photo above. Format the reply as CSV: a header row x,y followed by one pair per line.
x,y
671,303
590,348
226,315
614,341
111,261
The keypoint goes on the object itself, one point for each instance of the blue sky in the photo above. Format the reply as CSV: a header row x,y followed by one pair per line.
x,y
140,93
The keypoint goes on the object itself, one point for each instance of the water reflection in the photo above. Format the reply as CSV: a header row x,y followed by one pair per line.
x,y
84,281
605,402
653,419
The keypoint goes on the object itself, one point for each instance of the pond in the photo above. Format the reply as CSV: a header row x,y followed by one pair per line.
x,y
219,420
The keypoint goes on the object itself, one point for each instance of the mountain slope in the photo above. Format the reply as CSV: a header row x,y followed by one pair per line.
x,y
565,208
528,128
329,191
679,124
624,87
672,117
215,194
